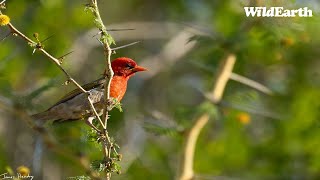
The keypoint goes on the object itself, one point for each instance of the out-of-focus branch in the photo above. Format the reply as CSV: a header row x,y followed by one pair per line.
x,y
190,146
251,83
222,78
239,78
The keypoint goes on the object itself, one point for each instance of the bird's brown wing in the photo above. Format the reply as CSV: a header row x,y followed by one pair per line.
x,y
75,92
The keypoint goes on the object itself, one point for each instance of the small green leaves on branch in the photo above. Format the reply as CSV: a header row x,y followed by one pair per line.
x,y
105,36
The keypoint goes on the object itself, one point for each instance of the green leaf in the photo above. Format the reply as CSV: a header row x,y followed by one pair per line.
x,y
97,165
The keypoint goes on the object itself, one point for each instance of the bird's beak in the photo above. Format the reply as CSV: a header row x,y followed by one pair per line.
x,y
139,68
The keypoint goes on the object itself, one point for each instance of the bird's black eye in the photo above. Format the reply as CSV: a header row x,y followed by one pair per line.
x,y
129,66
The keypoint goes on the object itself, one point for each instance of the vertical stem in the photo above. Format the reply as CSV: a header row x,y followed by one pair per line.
x,y
107,53
108,77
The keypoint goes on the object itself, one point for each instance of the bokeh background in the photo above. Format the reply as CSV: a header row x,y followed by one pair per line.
x,y
253,135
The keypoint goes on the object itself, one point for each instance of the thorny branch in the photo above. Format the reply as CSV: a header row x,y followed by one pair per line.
x,y
106,41
106,140
38,46
223,76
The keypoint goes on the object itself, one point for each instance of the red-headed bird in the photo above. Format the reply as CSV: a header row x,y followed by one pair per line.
x,y
75,105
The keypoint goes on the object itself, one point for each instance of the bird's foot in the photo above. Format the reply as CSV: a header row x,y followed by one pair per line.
x,y
110,104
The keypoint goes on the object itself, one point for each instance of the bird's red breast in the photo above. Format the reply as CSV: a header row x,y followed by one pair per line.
x,y
118,87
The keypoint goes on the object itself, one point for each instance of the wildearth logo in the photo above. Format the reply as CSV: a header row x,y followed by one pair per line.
x,y
277,12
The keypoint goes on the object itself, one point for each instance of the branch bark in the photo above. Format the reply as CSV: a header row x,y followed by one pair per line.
x,y
225,71
106,41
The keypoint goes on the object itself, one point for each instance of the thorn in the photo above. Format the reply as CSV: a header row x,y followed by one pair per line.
x,y
34,50
99,41
125,29
63,56
120,47
2,1
97,34
47,38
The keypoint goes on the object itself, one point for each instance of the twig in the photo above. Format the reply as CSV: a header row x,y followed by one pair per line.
x,y
250,83
223,76
124,46
47,38
2,1
63,56
95,112
241,79
55,60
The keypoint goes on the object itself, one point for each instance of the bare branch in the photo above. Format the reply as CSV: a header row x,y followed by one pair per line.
x,y
95,112
16,31
223,76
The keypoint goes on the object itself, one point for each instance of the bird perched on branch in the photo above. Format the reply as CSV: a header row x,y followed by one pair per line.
x,y
75,105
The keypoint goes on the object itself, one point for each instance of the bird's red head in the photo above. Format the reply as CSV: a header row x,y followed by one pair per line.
x,y
124,66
